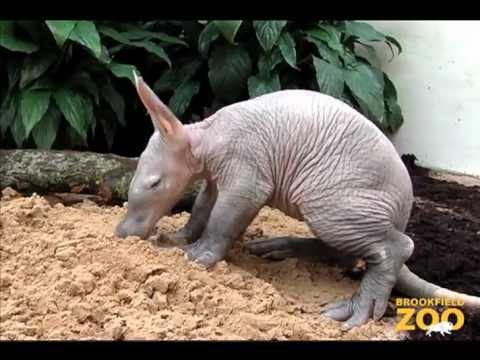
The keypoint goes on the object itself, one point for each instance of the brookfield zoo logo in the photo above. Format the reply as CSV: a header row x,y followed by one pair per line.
x,y
428,319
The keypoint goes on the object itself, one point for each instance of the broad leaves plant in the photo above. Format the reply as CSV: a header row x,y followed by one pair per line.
x,y
245,59
68,77
63,74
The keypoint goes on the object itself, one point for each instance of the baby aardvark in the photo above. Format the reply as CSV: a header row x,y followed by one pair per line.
x,y
313,157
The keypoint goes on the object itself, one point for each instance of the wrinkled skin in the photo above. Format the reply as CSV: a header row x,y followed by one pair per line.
x,y
307,154
152,195
166,168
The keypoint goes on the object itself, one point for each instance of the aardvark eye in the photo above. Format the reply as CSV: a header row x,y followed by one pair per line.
x,y
155,183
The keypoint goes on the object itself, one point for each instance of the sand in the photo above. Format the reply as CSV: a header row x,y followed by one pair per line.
x,y
63,275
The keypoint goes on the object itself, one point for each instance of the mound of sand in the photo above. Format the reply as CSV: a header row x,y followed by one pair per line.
x,y
63,275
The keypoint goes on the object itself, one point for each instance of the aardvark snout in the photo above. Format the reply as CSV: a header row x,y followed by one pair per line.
x,y
132,227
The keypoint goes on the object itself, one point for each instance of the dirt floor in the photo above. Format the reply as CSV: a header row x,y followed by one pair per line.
x,y
445,226
63,275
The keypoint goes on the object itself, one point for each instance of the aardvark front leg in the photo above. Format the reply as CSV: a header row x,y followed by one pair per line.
x,y
201,210
232,213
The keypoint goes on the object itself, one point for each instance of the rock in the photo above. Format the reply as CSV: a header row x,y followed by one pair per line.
x,y
125,295
141,273
81,312
160,300
8,194
65,254
5,281
84,283
116,329
161,283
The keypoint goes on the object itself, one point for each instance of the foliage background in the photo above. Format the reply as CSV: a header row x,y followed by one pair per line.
x,y
68,84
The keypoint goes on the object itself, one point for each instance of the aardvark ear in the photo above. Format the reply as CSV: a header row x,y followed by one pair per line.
x,y
162,117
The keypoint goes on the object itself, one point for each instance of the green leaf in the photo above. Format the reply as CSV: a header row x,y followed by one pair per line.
x,y
115,100
8,112
123,71
332,31
363,31
139,32
45,132
182,97
287,48
10,41
77,109
84,81
268,32
85,33
9,118
13,69
117,48
18,131
229,69
43,83
325,51
145,44
347,101
168,81
394,116
109,129
105,56
329,78
74,138
114,34
268,61
367,87
389,90
208,35
143,34
367,32
329,34
173,78
61,30
258,85
371,53
93,126
349,58
33,105
392,40
34,66
154,49
228,28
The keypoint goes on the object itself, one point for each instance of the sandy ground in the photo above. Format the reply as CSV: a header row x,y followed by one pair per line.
x,y
466,180
63,275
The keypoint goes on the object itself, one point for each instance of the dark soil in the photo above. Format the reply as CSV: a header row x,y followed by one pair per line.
x,y
445,226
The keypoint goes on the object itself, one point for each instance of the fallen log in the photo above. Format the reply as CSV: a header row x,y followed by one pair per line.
x,y
106,176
